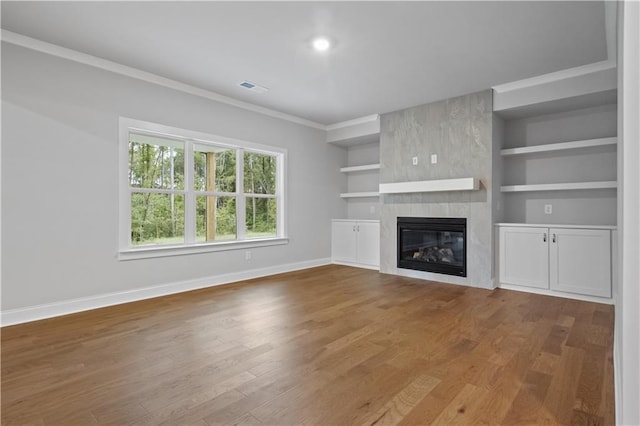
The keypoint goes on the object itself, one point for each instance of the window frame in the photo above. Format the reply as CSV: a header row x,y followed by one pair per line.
x,y
127,251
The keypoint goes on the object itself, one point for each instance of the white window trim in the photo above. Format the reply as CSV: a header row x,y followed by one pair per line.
x,y
128,252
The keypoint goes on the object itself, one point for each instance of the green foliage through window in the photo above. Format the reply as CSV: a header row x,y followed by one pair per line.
x,y
157,219
259,173
155,163
162,207
215,218
260,217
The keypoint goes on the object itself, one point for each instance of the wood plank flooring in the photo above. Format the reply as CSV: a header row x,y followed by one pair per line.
x,y
328,345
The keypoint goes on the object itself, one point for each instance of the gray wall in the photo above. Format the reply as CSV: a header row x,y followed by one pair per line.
x,y
60,183
459,130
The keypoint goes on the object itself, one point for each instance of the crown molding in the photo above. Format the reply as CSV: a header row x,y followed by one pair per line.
x,y
556,76
115,67
354,122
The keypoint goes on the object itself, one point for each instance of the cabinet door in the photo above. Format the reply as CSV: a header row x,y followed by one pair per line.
x,y
524,256
343,241
368,243
580,261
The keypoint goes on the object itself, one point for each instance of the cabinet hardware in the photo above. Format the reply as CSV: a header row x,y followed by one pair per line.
x,y
544,237
554,238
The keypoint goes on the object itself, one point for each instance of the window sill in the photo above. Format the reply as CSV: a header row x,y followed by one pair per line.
x,y
164,251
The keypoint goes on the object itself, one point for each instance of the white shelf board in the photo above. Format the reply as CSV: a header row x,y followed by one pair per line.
x,y
359,194
556,225
558,186
559,146
360,168
462,184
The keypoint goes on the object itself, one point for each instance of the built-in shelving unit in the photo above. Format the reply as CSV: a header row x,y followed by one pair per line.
x,y
556,206
559,186
440,185
561,146
557,145
361,138
352,169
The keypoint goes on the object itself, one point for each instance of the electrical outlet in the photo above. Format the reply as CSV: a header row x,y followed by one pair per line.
x,y
372,209
434,158
415,161
247,255
548,209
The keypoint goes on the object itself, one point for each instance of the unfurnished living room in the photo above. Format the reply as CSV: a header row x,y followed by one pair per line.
x,y
320,213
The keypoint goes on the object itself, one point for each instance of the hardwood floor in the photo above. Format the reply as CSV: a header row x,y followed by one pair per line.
x,y
328,345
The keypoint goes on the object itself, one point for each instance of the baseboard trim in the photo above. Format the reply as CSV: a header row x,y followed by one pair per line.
x,y
65,307
355,265
617,371
544,292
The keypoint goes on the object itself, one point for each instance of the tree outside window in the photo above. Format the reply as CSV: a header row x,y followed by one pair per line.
x,y
185,192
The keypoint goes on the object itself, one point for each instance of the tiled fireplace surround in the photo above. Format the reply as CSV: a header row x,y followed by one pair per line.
x,y
459,131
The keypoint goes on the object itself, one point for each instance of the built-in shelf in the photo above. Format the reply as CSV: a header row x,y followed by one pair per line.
x,y
559,186
557,225
359,194
463,184
364,167
559,146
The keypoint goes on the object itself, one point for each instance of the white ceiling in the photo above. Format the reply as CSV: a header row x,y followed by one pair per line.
x,y
389,55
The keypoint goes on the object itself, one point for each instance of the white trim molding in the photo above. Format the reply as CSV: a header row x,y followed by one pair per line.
x,y
579,87
556,76
555,293
147,252
65,307
627,343
356,121
94,61
117,68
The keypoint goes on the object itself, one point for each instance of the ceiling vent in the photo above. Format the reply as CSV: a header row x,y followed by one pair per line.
x,y
253,87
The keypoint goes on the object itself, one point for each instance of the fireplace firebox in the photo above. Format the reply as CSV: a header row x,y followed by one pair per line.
x,y
433,244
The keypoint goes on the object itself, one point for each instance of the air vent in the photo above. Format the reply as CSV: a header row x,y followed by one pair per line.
x,y
253,87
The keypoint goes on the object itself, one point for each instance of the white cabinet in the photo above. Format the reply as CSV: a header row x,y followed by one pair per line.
x,y
343,241
356,242
562,260
580,261
524,256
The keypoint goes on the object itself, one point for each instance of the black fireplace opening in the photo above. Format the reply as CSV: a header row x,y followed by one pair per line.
x,y
433,244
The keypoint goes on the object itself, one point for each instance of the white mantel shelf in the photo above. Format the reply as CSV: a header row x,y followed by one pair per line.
x,y
440,185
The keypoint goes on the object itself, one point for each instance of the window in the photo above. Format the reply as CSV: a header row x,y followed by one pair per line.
x,y
185,192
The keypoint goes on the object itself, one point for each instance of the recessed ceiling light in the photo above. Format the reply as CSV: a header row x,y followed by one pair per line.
x,y
321,44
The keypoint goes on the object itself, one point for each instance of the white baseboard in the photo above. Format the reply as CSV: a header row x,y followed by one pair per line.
x,y
65,307
554,293
356,265
617,371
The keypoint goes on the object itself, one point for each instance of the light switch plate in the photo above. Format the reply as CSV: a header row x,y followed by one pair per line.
x,y
434,158
415,161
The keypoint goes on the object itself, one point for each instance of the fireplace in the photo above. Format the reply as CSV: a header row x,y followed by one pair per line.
x,y
433,244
